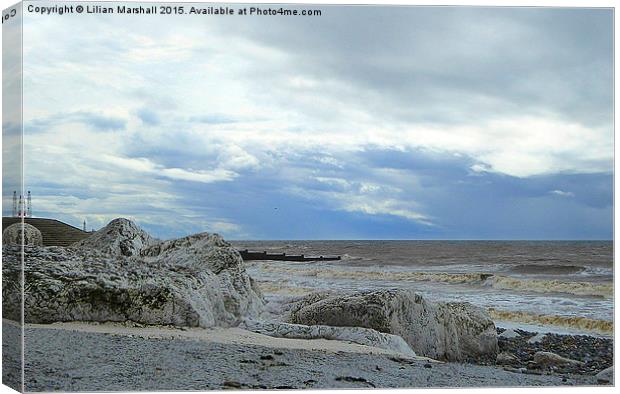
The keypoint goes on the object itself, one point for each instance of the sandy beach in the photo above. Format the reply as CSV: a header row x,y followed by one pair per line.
x,y
307,196
85,356
121,311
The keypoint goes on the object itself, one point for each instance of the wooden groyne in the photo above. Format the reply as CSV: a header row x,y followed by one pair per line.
x,y
252,255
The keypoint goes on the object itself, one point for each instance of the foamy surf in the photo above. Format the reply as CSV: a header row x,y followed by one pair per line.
x,y
570,323
605,290
500,282
579,323
284,288
547,269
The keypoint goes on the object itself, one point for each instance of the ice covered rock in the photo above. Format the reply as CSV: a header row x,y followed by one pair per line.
x,y
359,335
446,331
505,358
198,280
121,237
606,376
509,334
12,235
548,359
538,338
211,256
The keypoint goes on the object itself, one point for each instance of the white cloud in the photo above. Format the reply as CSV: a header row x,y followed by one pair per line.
x,y
479,168
289,109
217,175
562,193
364,197
146,166
382,207
343,183
331,161
302,110
224,227
236,158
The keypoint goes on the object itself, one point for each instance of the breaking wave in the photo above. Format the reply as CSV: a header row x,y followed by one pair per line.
x,y
385,275
501,282
605,290
582,323
548,269
575,322
284,288
348,257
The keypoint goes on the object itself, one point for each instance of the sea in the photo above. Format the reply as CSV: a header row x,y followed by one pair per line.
x,y
542,286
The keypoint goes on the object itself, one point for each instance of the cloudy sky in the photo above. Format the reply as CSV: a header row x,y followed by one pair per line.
x,y
363,123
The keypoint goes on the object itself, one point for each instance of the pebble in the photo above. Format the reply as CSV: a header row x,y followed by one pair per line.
x,y
549,359
536,338
606,376
595,353
354,379
505,358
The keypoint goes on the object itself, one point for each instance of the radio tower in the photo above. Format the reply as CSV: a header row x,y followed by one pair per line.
x,y
14,204
29,207
20,210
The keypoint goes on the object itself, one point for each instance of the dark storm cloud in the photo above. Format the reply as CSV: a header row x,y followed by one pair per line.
x,y
457,202
444,65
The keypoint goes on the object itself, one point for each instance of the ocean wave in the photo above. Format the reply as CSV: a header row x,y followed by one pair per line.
x,y
384,275
348,257
287,288
598,271
577,322
499,282
547,269
284,288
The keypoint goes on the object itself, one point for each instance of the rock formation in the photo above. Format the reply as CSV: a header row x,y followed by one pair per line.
x,y
359,335
509,334
193,281
12,235
121,237
548,359
606,376
538,338
505,358
445,331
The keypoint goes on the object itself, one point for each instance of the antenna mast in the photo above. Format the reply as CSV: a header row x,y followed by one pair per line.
x,y
29,206
20,210
14,203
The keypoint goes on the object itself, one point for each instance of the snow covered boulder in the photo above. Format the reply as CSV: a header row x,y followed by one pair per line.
x,y
196,281
210,256
444,331
359,335
12,235
121,237
509,334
